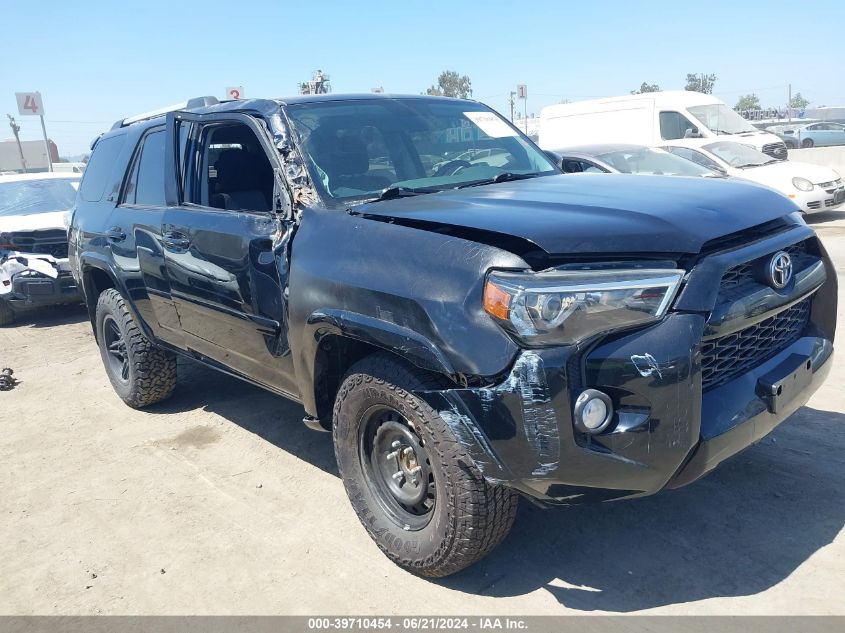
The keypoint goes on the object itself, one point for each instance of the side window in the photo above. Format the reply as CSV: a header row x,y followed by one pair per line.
x,y
674,125
145,185
100,168
694,156
234,171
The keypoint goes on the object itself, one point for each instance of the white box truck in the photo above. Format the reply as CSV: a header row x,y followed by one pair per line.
x,y
650,119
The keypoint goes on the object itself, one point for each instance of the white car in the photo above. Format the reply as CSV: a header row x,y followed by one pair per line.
x,y
34,269
811,187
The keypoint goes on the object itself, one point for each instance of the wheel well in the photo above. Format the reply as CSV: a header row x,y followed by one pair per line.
x,y
95,281
335,355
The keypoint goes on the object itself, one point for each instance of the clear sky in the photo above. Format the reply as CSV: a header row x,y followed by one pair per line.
x,y
95,62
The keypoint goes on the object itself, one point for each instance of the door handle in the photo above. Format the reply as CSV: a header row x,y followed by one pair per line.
x,y
116,234
175,240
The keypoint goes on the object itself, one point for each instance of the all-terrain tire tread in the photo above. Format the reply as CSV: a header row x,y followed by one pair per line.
x,y
153,371
480,515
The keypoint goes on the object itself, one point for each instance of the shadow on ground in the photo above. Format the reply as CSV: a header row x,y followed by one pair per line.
x,y
739,531
51,316
276,419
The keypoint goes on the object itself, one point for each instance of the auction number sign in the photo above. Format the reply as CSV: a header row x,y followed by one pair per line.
x,y
30,103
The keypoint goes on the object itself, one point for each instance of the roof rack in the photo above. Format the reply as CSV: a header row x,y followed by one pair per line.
x,y
196,102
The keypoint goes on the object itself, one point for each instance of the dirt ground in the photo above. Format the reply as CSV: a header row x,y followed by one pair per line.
x,y
220,501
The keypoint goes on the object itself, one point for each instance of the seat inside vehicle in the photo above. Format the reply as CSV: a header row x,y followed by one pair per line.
x,y
345,160
240,176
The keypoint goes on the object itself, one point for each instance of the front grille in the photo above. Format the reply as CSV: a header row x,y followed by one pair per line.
x,y
814,205
726,357
743,274
775,150
53,242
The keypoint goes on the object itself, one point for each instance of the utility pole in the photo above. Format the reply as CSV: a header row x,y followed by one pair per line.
x,y
511,101
46,145
789,105
15,129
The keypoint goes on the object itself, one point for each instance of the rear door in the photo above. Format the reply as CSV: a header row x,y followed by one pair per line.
x,y
133,234
225,235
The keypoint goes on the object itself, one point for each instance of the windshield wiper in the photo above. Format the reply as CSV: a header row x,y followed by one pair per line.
x,y
503,177
391,193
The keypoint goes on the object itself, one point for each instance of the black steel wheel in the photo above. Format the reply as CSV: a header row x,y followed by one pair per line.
x,y
415,490
397,467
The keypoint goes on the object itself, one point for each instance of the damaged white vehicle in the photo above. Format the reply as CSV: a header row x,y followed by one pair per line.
x,y
34,269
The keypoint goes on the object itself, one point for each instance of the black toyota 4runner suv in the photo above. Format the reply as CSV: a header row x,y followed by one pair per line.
x,y
471,324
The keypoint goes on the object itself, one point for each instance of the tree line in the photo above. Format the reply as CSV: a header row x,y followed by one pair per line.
x,y
451,83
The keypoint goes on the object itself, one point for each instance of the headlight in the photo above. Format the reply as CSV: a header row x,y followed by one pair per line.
x,y
802,183
563,307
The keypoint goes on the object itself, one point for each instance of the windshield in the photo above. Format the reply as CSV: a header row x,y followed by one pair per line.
x,y
357,149
739,155
720,119
653,161
26,197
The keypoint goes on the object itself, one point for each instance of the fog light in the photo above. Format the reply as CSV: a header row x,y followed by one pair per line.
x,y
593,411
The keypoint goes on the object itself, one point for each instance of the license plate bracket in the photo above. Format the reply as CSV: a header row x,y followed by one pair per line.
x,y
780,386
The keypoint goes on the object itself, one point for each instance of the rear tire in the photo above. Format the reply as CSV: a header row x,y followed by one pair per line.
x,y
807,142
432,522
140,372
7,315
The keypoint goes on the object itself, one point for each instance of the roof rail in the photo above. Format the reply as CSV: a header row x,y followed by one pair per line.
x,y
196,102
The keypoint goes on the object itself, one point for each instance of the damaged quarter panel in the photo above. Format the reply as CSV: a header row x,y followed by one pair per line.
x,y
414,292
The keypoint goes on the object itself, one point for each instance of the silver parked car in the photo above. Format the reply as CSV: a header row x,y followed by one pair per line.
x,y
628,159
818,134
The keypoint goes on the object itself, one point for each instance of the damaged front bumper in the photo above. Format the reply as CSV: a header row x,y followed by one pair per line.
x,y
666,431
32,280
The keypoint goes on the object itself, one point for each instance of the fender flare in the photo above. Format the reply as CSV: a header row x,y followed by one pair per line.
x,y
86,264
386,335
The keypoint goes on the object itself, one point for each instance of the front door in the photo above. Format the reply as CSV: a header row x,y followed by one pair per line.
x,y
225,245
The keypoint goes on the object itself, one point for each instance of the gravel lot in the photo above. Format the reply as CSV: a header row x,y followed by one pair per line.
x,y
220,501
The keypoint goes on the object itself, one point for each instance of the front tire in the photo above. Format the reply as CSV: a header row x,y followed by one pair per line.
x,y
7,315
140,372
412,485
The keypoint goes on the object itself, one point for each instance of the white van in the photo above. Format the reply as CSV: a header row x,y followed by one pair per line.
x,y
650,119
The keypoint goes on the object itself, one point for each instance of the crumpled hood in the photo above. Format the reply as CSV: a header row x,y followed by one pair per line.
x,y
32,222
598,213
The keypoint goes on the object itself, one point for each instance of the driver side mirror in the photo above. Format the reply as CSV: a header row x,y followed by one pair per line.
x,y
554,157
692,132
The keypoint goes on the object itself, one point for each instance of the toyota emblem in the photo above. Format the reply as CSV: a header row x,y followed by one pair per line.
x,y
780,270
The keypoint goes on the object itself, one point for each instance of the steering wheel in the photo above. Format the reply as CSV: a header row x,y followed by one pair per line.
x,y
452,167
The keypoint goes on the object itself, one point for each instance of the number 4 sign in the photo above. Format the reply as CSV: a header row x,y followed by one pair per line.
x,y
30,104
